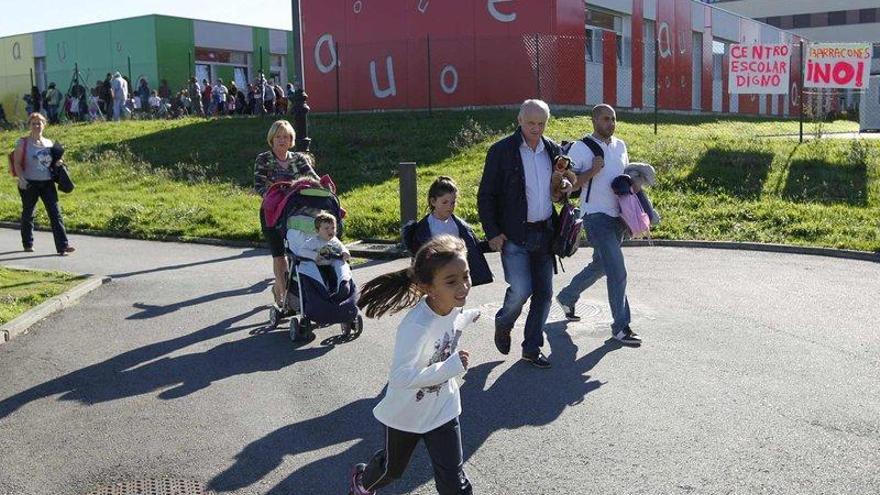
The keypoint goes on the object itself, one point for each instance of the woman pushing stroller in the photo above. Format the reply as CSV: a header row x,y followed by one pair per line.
x,y
279,164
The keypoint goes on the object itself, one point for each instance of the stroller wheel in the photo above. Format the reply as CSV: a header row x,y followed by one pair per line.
x,y
357,326
274,317
305,328
294,329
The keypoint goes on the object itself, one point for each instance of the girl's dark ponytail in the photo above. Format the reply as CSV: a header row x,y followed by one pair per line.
x,y
389,293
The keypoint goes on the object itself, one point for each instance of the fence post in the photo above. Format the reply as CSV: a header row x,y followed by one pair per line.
x,y
538,64
189,64
300,120
336,47
408,208
32,77
801,94
129,70
430,101
656,79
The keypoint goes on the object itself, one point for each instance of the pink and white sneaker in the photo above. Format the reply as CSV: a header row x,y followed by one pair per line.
x,y
357,476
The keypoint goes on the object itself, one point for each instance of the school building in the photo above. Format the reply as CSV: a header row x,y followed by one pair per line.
x,y
153,47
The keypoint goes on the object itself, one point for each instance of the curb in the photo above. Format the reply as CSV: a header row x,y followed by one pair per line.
x,y
170,238
23,323
757,246
382,249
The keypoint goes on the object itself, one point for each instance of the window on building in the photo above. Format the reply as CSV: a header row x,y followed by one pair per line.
x,y
599,22
602,19
837,18
774,21
718,49
594,45
868,15
786,22
801,21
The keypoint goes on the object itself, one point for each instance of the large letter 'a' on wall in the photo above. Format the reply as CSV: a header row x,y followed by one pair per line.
x,y
391,90
326,40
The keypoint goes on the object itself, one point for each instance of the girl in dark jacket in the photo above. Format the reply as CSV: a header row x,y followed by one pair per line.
x,y
442,197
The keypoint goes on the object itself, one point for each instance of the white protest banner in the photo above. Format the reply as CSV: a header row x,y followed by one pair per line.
x,y
837,65
759,69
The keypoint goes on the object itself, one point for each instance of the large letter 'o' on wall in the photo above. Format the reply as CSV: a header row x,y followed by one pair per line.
x,y
328,40
449,88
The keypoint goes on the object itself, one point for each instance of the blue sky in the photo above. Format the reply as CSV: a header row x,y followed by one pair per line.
x,y
52,14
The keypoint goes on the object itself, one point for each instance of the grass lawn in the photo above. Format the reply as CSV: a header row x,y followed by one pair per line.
x,y
21,290
718,179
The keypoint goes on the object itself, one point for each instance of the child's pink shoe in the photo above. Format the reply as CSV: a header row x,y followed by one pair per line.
x,y
357,476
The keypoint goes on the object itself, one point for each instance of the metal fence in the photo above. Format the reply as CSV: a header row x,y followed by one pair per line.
x,y
577,71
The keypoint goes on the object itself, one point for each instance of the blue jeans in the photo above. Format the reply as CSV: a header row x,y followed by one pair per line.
x,y
45,190
118,105
605,234
528,271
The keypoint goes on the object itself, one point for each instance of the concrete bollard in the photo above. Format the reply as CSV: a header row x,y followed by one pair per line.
x,y
408,203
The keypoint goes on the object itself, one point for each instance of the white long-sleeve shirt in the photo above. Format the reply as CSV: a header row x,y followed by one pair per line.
x,y
422,392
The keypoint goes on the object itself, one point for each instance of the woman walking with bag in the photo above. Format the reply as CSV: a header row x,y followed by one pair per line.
x,y
31,164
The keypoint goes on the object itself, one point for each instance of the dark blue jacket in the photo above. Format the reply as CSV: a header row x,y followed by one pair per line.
x,y
415,235
501,199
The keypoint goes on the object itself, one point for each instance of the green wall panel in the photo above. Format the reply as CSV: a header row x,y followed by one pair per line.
x,y
261,39
291,60
224,72
101,48
16,64
175,49
135,38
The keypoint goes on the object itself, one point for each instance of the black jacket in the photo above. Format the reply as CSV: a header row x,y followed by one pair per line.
x,y
415,235
501,200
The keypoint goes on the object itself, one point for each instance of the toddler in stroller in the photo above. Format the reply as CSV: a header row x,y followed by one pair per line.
x,y
320,289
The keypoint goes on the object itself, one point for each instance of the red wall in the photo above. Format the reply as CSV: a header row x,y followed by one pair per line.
x,y
476,58
480,56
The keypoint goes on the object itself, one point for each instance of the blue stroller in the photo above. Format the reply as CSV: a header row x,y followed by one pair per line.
x,y
316,296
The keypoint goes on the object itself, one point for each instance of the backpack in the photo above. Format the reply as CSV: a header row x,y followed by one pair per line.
x,y
23,160
568,233
591,143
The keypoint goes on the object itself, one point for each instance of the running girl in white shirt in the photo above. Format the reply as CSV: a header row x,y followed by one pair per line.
x,y
422,401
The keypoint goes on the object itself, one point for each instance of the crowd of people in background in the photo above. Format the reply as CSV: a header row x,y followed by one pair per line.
x,y
115,98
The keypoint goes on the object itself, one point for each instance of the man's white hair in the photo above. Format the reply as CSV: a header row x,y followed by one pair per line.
x,y
530,105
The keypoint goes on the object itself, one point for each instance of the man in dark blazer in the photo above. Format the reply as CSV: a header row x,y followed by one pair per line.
x,y
517,215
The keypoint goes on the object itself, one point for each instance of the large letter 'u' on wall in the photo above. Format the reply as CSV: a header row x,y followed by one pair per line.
x,y
391,90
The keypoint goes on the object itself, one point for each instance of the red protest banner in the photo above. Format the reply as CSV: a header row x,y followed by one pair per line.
x,y
759,69
837,65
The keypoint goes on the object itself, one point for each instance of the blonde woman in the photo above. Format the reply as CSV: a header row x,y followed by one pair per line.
x,y
31,161
279,164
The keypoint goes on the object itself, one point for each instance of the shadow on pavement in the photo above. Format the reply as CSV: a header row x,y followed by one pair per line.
x,y
520,396
249,253
121,376
151,311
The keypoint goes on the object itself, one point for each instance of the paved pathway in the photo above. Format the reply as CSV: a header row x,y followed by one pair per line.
x,y
760,374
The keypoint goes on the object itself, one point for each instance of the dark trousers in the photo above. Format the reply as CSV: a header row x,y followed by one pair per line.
x,y
45,190
444,448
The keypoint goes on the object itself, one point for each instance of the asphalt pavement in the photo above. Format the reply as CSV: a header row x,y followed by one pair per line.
x,y
759,374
